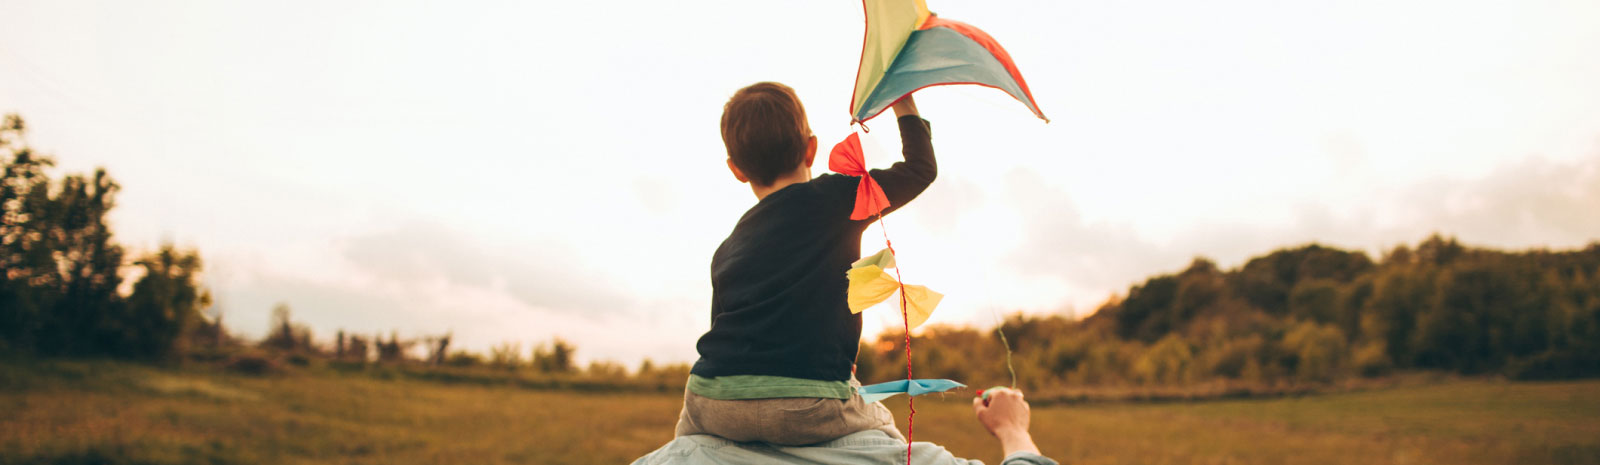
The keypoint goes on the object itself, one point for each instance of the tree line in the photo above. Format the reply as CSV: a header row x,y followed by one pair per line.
x,y
1305,315
551,364
60,292
1310,314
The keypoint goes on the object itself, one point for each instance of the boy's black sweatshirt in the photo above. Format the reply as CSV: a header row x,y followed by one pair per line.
x,y
778,281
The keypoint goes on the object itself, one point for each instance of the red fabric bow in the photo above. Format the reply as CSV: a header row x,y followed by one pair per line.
x,y
847,159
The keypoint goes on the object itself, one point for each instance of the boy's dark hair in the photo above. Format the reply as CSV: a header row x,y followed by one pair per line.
x,y
765,130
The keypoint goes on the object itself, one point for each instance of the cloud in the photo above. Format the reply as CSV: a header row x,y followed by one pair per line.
x,y
956,197
1057,240
656,194
1530,203
477,317
425,278
550,276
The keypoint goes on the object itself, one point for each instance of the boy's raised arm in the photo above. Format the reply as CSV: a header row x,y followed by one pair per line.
x,y
904,180
905,107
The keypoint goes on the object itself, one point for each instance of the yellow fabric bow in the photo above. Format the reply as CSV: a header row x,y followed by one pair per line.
x,y
871,284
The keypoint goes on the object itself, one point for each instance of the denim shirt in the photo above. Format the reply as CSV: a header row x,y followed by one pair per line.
x,y
861,448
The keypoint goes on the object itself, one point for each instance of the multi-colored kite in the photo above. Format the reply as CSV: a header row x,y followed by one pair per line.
x,y
907,48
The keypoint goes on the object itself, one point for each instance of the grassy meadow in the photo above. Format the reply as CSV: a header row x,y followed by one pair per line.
x,y
116,413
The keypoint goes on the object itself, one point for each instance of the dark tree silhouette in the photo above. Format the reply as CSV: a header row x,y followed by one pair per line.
x,y
62,270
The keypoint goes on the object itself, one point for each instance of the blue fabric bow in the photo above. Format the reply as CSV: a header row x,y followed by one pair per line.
x,y
915,387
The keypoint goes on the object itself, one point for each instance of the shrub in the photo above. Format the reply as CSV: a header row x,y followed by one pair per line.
x,y
1318,350
1372,359
463,359
1168,361
254,364
1555,365
1231,357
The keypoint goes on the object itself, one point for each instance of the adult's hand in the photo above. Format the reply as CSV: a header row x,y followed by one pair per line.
x,y
1006,416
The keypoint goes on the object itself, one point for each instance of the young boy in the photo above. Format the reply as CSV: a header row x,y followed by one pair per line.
x,y
778,364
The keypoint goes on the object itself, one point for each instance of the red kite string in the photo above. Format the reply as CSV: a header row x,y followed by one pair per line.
x,y
847,159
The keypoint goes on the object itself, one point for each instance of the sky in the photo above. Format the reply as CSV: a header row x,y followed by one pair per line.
x,y
514,171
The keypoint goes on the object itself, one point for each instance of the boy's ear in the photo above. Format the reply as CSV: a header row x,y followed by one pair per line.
x,y
811,151
736,173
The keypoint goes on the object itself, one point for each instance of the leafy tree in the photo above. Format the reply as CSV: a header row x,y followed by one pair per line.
x,y
555,357
1399,295
61,269
1267,281
1439,251
288,336
88,262
28,263
605,369
392,351
506,355
1143,315
1319,351
1315,300
165,302
1168,361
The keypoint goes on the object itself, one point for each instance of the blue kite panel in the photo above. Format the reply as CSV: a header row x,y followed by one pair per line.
x,y
937,56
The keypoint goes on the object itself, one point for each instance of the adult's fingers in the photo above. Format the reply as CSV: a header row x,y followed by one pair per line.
x,y
1005,393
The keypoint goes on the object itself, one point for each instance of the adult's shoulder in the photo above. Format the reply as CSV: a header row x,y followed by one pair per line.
x,y
865,447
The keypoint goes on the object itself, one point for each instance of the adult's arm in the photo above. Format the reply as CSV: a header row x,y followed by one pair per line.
x,y
1006,415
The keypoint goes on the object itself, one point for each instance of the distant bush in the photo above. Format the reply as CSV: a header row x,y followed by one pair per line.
x,y
255,364
554,357
1556,365
1319,351
1372,359
506,356
605,369
1167,362
1231,358
299,360
463,358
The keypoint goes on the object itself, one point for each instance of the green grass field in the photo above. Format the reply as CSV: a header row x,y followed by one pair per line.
x,y
103,412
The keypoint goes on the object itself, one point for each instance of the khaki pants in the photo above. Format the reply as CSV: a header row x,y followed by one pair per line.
x,y
785,421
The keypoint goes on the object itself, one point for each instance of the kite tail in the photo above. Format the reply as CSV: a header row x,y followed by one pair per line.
x,y
905,317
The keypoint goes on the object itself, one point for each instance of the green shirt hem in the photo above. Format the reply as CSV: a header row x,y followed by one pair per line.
x,y
742,387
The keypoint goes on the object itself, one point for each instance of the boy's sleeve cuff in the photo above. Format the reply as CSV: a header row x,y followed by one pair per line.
x,y
904,120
